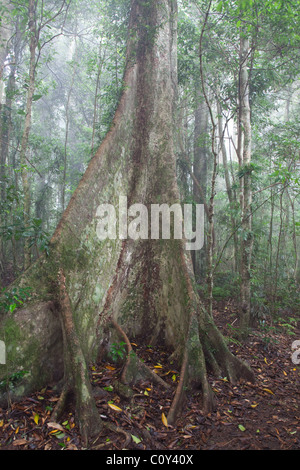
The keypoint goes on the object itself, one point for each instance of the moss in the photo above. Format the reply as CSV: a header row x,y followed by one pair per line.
x,y
73,258
16,352
22,355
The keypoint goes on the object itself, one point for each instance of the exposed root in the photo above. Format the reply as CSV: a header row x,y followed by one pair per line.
x,y
179,397
221,358
134,369
76,373
193,374
205,346
129,348
60,405
115,429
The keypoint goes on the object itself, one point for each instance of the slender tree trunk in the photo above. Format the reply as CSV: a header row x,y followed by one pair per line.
x,y
5,132
296,265
269,270
5,33
211,209
97,97
27,127
231,196
63,189
200,172
279,243
245,190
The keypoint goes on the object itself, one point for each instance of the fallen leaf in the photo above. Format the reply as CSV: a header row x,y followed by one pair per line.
x,y
114,407
135,439
20,442
36,418
55,426
59,435
164,420
72,447
242,428
268,391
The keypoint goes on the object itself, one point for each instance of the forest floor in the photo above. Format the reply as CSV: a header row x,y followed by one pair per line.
x,y
260,416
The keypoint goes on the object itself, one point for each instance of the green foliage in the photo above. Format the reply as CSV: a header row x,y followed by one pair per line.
x,y
13,298
37,236
188,35
12,380
226,285
289,324
220,293
248,170
117,351
266,334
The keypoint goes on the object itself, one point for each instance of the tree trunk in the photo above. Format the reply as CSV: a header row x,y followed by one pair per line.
x,y
143,286
200,172
27,127
230,193
6,125
5,33
67,111
245,189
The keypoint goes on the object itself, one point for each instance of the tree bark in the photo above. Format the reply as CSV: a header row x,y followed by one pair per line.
x,y
231,196
5,33
67,120
245,186
144,286
27,126
200,172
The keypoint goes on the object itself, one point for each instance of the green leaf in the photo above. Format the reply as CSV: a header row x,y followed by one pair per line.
x,y
220,7
12,307
241,428
36,97
136,439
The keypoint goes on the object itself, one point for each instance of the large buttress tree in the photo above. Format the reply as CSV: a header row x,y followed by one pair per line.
x,y
88,291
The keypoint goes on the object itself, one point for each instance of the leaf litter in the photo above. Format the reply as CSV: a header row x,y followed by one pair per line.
x,y
259,416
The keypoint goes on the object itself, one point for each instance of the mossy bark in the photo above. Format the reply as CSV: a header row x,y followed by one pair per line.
x,y
146,287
